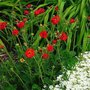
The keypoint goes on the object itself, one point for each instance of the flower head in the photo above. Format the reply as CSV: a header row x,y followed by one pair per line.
x,y
72,20
55,19
30,53
15,32
20,24
45,56
25,19
3,25
50,48
39,11
22,60
54,41
63,36
28,5
26,12
56,8
43,34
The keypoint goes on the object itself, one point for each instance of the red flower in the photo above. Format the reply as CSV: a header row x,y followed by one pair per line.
x,y
25,19
15,32
30,53
3,25
54,41
63,36
43,34
26,12
72,20
20,24
39,11
1,46
28,5
56,8
55,19
50,48
45,56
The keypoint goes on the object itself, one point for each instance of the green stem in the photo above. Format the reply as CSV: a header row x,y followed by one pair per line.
x,y
19,41
29,71
39,70
5,67
52,75
19,78
10,59
74,40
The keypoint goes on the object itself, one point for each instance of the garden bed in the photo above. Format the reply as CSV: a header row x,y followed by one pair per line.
x,y
40,40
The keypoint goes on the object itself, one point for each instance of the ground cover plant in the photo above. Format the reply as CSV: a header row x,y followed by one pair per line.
x,y
78,78
39,40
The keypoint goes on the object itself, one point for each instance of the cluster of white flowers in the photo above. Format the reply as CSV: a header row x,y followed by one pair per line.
x,y
79,78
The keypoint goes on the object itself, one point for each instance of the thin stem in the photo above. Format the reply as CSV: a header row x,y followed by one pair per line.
x,y
19,41
47,41
74,41
3,65
10,58
29,70
52,75
19,79
39,70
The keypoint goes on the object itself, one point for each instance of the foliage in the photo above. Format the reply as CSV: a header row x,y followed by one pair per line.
x,y
66,21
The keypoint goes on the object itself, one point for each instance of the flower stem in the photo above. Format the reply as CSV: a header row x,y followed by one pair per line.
x,y
39,70
19,78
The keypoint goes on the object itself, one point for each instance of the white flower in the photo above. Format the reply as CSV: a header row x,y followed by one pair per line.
x,y
44,86
56,88
51,87
59,78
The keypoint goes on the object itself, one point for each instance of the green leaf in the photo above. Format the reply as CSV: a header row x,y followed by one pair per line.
x,y
51,1
35,87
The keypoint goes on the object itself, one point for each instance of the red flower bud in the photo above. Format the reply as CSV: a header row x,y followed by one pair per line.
x,y
28,5
56,8
20,24
43,34
45,56
63,36
72,20
50,48
39,11
26,12
55,19
15,32
3,25
25,19
54,41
